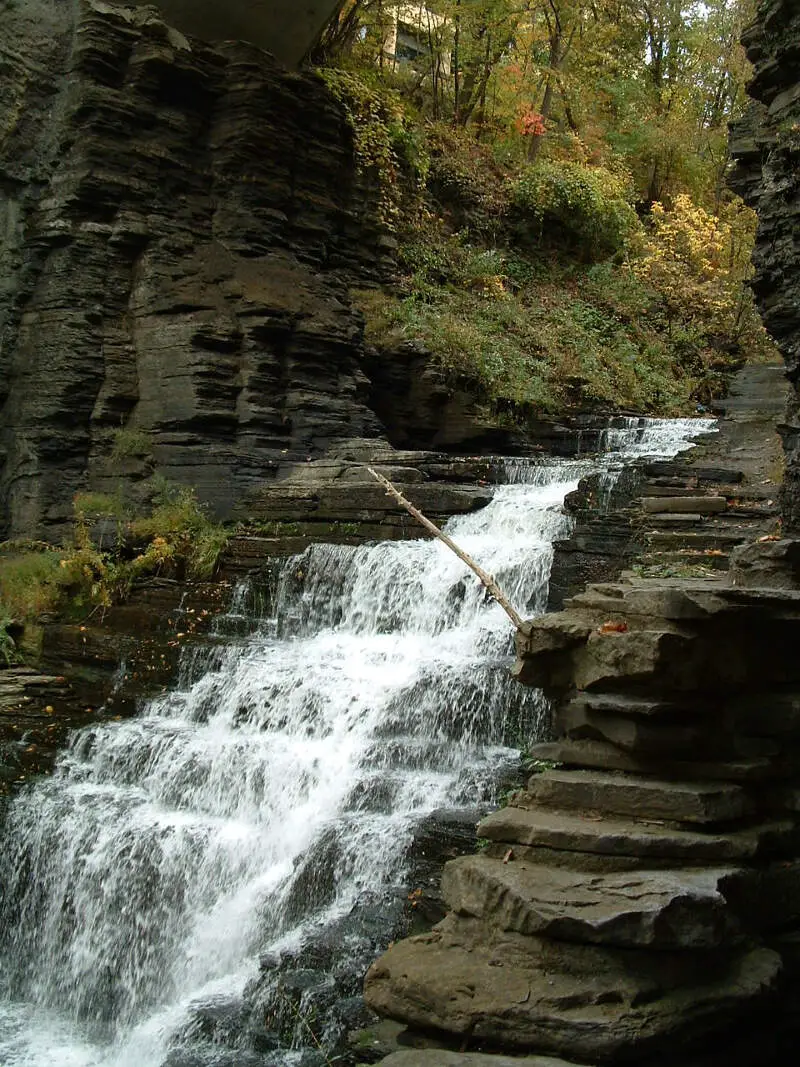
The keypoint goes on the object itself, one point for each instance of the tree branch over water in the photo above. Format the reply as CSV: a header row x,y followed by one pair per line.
x,y
487,580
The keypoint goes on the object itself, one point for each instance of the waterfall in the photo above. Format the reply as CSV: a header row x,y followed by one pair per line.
x,y
277,785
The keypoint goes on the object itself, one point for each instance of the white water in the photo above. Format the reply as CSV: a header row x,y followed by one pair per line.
x,y
168,850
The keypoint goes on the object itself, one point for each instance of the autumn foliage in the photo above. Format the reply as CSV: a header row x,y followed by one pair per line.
x,y
554,175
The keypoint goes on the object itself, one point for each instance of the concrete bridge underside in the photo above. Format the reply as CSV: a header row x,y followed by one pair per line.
x,y
287,28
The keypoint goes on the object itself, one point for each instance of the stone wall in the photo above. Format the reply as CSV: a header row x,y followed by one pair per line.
x,y
766,147
179,226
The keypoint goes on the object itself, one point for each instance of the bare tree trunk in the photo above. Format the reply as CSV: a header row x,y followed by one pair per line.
x,y
490,584
456,61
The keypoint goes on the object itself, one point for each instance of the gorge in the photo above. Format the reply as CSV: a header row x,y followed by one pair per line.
x,y
216,860
273,797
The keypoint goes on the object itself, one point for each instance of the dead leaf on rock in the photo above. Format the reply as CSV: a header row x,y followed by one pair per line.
x,y
769,537
508,856
611,627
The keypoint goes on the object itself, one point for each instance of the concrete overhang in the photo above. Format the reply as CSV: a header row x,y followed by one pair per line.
x,y
286,28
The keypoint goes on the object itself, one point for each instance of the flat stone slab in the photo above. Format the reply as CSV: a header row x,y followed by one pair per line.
x,y
637,797
579,1001
698,505
683,518
602,756
646,707
434,1057
569,832
657,909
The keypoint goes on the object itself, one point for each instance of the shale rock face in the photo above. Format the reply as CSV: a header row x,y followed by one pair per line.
x,y
638,901
766,146
179,223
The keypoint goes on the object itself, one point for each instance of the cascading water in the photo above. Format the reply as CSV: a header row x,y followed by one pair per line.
x,y
637,437
277,786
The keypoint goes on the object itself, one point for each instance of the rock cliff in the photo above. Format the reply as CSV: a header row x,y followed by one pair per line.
x,y
180,223
766,147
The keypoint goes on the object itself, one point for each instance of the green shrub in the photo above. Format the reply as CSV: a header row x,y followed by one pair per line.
x,y
466,183
131,443
179,528
587,208
32,580
386,146
176,539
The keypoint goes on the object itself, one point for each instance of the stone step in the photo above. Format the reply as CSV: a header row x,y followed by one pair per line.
x,y
636,704
641,736
600,755
656,909
700,505
678,518
566,831
710,475
580,1001
639,798
699,541
678,487
715,560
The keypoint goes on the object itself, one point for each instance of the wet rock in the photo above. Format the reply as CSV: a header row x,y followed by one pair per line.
x,y
217,1057
330,494
37,712
219,1020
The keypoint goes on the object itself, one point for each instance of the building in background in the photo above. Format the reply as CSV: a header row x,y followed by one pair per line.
x,y
415,36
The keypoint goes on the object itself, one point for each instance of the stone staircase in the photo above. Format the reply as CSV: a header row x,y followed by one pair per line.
x,y
695,510
683,517
694,516
639,901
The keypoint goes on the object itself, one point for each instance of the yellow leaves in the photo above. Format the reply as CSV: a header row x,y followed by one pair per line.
x,y
698,261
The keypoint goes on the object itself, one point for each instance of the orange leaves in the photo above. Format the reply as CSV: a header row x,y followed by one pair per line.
x,y
612,627
530,124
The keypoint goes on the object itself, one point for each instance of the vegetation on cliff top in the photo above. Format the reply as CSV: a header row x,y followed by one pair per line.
x,y
555,175
109,551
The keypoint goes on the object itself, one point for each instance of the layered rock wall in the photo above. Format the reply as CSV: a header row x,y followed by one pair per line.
x,y
766,148
179,224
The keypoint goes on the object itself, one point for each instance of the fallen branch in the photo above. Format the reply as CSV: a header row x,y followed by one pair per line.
x,y
487,580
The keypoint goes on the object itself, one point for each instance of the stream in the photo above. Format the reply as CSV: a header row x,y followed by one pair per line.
x,y
173,859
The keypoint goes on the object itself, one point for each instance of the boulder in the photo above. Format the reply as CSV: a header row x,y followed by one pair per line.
x,y
580,1001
